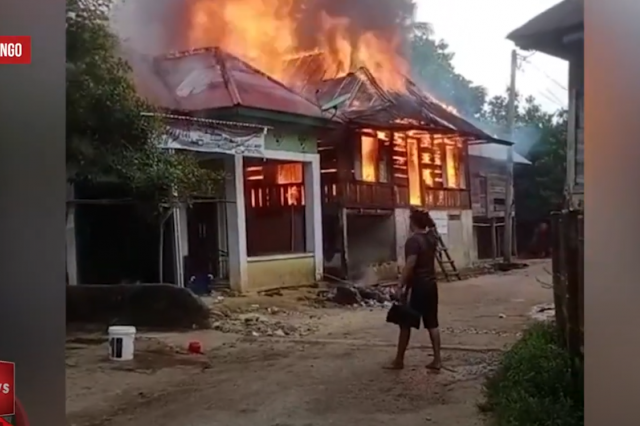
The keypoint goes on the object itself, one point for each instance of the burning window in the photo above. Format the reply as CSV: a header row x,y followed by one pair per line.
x,y
452,166
372,163
369,158
413,168
254,173
289,173
290,176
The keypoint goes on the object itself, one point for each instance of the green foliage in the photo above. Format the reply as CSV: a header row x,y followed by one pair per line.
x,y
431,66
541,137
537,383
108,137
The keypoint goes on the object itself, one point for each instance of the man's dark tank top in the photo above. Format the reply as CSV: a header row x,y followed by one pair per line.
x,y
424,246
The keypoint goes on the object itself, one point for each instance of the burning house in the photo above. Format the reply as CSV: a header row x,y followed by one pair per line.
x,y
397,148
307,106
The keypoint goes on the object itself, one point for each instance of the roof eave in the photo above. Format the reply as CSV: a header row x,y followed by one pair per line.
x,y
557,43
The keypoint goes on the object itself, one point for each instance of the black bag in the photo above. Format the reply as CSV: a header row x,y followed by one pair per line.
x,y
401,314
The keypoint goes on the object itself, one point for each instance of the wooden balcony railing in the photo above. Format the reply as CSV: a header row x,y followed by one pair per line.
x,y
386,196
368,195
447,199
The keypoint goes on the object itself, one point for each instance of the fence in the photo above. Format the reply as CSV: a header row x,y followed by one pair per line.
x,y
567,245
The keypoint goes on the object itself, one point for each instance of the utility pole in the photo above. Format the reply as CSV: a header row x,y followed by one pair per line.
x,y
507,246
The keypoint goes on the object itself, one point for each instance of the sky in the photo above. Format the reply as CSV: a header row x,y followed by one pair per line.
x,y
476,32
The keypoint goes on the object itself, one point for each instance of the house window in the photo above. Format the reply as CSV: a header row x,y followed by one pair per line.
x,y
431,162
369,158
274,200
454,165
372,162
413,169
289,173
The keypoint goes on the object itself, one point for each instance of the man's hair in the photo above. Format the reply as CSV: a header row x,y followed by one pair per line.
x,y
421,219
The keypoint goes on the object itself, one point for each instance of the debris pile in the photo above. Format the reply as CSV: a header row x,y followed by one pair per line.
x,y
473,330
257,325
353,295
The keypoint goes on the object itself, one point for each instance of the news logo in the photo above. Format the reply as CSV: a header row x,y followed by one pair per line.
x,y
7,388
15,50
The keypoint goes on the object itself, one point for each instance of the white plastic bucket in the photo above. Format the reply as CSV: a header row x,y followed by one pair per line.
x,y
121,339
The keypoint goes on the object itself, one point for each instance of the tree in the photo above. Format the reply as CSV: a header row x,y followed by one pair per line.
x,y
541,137
108,134
431,63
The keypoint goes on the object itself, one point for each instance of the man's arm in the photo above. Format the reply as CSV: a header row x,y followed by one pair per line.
x,y
411,249
409,264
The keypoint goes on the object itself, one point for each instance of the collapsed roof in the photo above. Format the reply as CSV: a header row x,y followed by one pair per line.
x,y
357,98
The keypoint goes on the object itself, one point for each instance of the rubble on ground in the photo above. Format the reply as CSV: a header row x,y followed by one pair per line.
x,y
256,325
473,330
353,295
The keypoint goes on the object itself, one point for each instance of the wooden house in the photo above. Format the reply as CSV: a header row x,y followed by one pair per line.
x,y
392,152
488,176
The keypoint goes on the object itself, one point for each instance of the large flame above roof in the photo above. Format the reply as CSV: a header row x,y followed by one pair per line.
x,y
268,33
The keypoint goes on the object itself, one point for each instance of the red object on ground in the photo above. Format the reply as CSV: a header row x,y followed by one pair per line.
x,y
195,348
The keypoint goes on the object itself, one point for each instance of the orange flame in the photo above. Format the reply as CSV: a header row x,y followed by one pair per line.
x,y
263,33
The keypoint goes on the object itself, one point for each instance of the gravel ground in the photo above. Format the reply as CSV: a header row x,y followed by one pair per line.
x,y
328,373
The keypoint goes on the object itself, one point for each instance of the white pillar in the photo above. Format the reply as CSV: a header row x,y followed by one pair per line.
x,y
313,214
180,243
236,222
71,254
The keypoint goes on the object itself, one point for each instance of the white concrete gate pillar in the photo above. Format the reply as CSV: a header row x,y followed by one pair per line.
x,y
313,214
236,222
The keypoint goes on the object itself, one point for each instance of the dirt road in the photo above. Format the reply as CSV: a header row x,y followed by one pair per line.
x,y
331,377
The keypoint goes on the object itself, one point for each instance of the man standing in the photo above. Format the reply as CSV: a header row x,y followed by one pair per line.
x,y
419,287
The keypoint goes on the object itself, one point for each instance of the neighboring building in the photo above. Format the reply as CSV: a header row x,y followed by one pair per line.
x,y
559,32
488,172
266,229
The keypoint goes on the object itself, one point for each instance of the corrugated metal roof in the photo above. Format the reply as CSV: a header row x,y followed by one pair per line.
x,y
495,152
563,16
358,98
210,78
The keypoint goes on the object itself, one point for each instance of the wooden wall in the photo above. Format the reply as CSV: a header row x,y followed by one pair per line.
x,y
488,186
344,185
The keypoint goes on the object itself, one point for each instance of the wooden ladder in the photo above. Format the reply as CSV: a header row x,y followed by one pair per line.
x,y
446,263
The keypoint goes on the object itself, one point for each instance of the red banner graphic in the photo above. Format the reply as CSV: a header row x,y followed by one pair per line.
x,y
7,388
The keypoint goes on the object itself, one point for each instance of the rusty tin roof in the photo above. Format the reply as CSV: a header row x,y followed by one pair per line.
x,y
211,78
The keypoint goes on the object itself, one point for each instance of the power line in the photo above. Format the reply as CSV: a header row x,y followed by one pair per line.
x,y
548,94
556,103
553,80
554,96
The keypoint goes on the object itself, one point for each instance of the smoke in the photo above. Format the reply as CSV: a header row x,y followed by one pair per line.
x,y
385,18
524,136
160,26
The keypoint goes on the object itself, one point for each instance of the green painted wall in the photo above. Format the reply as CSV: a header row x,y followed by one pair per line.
x,y
285,140
289,133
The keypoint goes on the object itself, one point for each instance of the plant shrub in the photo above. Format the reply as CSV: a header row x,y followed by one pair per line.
x,y
537,383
